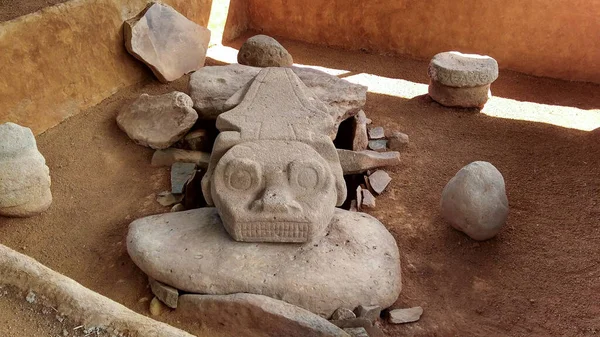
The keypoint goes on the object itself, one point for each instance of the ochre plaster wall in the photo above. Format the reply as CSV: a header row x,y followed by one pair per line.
x,y
66,58
554,38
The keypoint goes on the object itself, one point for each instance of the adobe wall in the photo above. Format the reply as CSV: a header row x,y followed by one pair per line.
x,y
554,38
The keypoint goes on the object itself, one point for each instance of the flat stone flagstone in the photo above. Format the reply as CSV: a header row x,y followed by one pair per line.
x,y
378,181
191,251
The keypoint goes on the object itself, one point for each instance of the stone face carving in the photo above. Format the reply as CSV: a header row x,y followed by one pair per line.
x,y
24,176
461,80
274,174
169,43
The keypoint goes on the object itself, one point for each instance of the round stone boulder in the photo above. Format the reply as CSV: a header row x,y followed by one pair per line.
x,y
24,176
264,51
461,80
474,201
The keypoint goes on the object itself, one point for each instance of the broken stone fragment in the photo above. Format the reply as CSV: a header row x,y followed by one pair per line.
x,y
343,313
376,133
197,140
231,314
400,316
170,156
461,80
166,41
358,197
264,51
211,87
357,332
355,162
183,250
360,139
158,121
378,181
353,206
180,174
370,312
166,294
397,141
24,176
379,145
474,201
168,199
368,199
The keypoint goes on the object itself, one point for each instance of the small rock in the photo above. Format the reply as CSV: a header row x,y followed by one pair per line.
x,y
231,314
360,139
353,206
343,313
264,51
400,316
474,201
180,174
379,145
158,121
166,294
168,199
358,198
355,162
398,141
368,200
178,208
370,312
197,140
166,41
168,157
30,297
378,181
157,307
376,133
357,332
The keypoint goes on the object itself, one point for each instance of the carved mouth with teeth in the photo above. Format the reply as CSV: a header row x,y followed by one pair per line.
x,y
281,231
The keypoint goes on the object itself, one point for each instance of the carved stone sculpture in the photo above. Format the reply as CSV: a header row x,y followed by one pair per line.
x,y
275,174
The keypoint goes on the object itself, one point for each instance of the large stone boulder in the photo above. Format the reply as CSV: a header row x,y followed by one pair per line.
x,y
24,176
166,41
356,262
158,121
238,315
211,87
461,80
474,201
264,51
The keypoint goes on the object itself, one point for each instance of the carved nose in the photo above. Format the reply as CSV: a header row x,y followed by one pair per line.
x,y
276,201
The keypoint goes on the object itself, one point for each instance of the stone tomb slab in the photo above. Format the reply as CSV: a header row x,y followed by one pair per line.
x,y
356,263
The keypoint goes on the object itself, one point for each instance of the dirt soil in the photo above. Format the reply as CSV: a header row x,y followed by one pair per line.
x,y
539,277
11,9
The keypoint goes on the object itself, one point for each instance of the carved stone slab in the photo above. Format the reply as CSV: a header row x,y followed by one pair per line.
x,y
456,69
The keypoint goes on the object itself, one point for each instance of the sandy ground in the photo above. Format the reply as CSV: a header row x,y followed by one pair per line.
x,y
539,277
10,9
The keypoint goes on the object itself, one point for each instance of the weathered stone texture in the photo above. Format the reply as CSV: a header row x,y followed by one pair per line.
x,y
264,51
454,69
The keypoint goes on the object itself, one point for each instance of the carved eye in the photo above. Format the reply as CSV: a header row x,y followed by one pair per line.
x,y
307,175
243,174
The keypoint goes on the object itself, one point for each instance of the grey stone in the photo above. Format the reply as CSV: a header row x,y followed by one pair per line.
x,y
368,200
180,174
170,156
360,139
376,133
248,315
474,201
191,251
357,332
264,51
274,174
358,197
378,181
378,145
24,176
158,121
467,97
167,198
370,312
197,140
166,294
355,162
343,313
397,141
211,87
400,316
354,206
166,41
455,69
